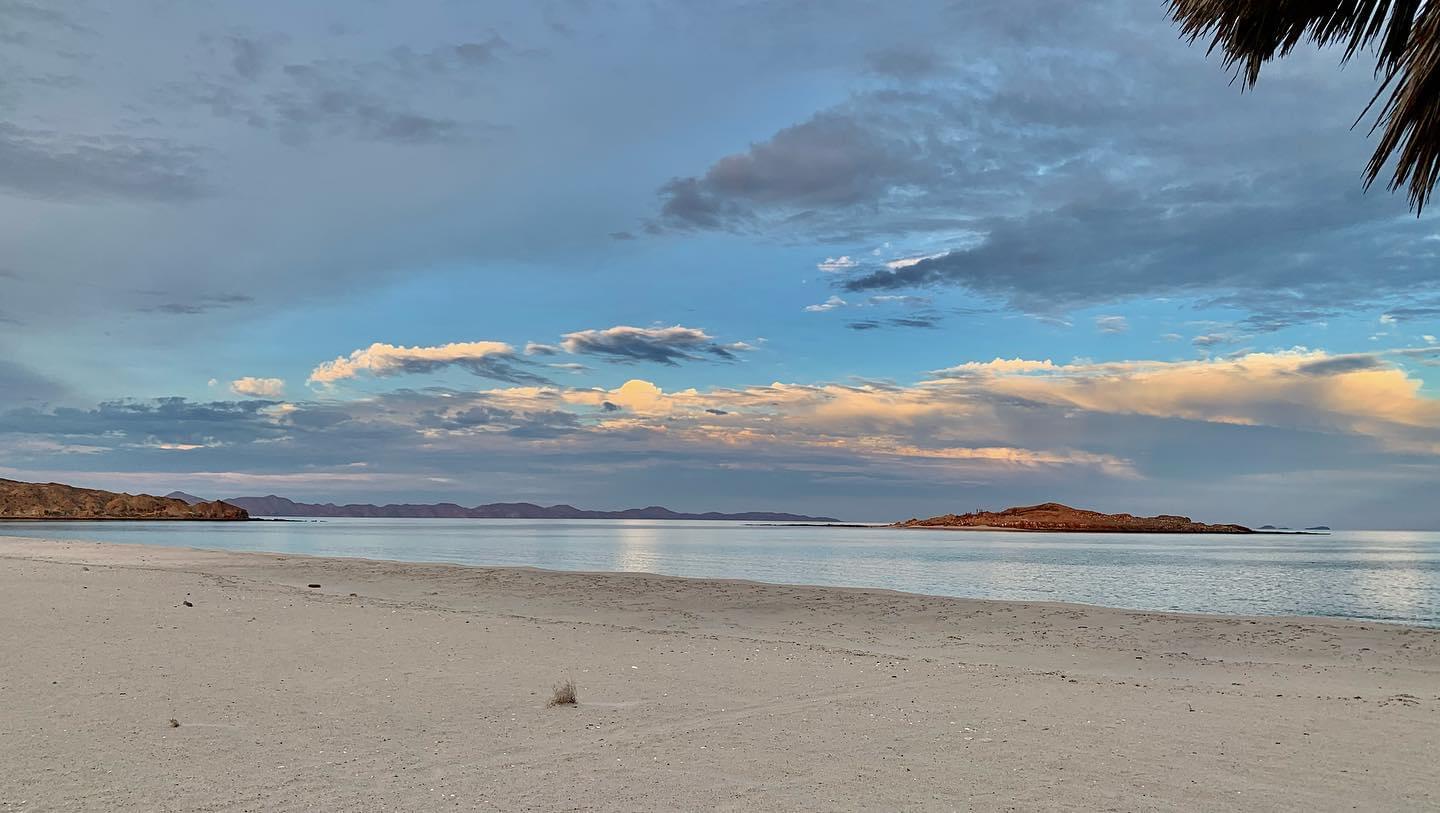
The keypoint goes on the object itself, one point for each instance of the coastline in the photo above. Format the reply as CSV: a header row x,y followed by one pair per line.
x,y
430,680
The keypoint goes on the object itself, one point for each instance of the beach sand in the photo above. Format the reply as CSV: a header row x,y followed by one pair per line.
x,y
426,690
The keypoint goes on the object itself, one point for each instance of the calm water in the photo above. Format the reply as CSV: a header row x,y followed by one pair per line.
x,y
1378,575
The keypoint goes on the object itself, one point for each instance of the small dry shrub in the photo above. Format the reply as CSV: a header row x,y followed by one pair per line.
x,y
564,694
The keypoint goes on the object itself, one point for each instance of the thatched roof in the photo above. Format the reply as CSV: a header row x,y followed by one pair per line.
x,y
1404,36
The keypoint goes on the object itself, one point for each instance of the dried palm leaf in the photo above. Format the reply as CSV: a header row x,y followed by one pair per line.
x,y
1404,35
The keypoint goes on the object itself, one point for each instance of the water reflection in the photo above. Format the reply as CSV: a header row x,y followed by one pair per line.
x,y
638,541
1372,574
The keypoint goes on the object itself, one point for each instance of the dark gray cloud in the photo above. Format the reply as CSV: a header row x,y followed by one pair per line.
x,y
1416,310
1119,243
249,56
1342,364
163,421
21,386
664,345
320,102
203,303
50,165
834,161
1062,176
916,321
905,62
499,367
374,100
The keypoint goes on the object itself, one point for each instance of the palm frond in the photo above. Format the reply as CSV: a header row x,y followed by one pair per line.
x,y
1403,34
1410,118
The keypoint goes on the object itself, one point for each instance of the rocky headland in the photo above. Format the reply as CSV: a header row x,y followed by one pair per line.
x,y
54,501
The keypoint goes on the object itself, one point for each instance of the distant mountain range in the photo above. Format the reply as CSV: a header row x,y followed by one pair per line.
x,y
273,506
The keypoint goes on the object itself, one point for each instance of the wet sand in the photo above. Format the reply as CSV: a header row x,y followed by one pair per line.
x,y
426,689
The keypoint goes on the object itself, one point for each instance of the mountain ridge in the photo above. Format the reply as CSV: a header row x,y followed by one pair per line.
x,y
272,505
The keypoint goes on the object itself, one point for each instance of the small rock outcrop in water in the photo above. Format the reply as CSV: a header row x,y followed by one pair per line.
x,y
55,501
1052,516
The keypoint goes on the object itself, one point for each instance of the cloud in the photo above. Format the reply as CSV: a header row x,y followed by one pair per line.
x,y
664,345
905,62
1306,390
258,387
165,424
835,160
495,360
1111,324
1208,340
203,303
1338,365
17,13
828,305
537,349
249,56
998,366
832,265
1413,310
53,166
909,300
1005,428
922,320
22,386
369,100
1057,173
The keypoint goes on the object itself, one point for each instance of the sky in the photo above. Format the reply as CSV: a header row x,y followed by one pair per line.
x,y
866,259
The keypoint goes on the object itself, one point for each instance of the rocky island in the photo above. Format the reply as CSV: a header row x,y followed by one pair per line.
x,y
1054,517
53,501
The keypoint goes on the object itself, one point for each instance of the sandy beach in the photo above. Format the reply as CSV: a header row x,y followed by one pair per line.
x,y
418,687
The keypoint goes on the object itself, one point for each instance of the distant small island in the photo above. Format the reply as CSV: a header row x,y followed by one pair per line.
x,y
1057,518
55,501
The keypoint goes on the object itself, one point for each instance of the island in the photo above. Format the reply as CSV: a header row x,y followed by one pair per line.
x,y
1058,518
55,501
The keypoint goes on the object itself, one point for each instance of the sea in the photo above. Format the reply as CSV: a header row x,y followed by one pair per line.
x,y
1391,576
